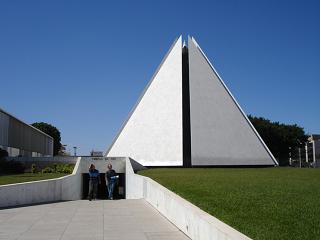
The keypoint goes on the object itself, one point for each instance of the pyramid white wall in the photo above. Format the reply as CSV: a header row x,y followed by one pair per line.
x,y
216,131
153,133
221,133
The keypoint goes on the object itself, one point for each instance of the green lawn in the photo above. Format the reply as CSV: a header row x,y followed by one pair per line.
x,y
263,203
27,177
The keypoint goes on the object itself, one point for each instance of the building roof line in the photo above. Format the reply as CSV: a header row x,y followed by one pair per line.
x,y
5,112
142,95
235,101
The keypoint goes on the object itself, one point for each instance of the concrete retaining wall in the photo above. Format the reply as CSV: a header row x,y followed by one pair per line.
x,y
194,222
101,163
190,219
63,188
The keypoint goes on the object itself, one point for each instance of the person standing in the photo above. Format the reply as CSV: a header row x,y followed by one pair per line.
x,y
111,180
94,180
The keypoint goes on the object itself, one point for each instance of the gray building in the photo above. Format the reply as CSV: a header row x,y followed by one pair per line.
x,y
22,139
314,146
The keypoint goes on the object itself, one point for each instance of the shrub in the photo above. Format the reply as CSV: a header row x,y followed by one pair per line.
x,y
33,168
58,168
55,167
7,167
47,170
64,168
3,154
68,168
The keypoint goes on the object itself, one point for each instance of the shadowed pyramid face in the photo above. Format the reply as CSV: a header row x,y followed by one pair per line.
x,y
187,116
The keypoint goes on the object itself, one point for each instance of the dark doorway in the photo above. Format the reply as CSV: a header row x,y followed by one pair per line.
x,y
119,190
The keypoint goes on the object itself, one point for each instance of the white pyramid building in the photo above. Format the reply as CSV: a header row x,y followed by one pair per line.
x,y
186,116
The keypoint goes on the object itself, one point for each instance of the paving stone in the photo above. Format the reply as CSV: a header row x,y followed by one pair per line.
x,y
95,220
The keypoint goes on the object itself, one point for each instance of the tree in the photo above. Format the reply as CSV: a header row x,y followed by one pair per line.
x,y
51,131
279,137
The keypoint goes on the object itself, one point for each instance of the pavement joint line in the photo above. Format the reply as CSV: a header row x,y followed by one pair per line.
x,y
20,234
7,219
158,212
67,225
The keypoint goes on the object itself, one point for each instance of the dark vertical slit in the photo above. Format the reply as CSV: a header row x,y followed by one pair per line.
x,y
186,132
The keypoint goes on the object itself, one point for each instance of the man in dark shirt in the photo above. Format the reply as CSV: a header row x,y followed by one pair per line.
x,y
94,180
111,179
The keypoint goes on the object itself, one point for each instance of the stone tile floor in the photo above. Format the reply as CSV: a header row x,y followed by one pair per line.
x,y
101,219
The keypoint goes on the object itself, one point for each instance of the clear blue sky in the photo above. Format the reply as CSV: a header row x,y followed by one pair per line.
x,y
81,65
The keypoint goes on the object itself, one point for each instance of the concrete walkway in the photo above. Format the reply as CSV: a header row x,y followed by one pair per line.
x,y
102,219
